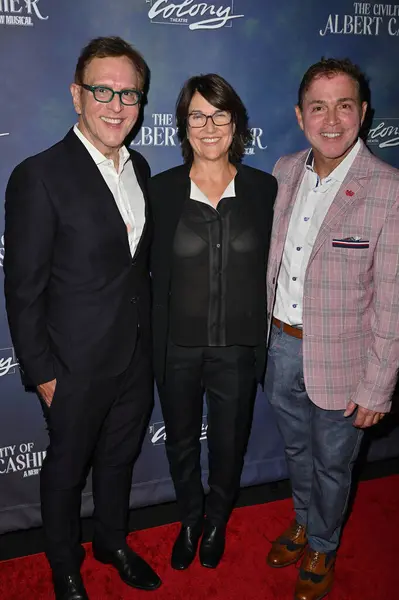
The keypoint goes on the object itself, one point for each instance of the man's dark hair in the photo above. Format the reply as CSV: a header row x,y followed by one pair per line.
x,y
222,96
329,67
113,46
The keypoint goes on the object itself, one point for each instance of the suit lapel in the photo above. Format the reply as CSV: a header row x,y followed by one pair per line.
x,y
92,186
350,192
287,193
143,186
246,191
178,194
336,213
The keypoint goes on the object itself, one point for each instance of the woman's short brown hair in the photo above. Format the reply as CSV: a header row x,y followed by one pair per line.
x,y
222,96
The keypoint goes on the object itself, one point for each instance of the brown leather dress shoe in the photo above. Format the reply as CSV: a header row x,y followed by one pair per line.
x,y
289,547
316,576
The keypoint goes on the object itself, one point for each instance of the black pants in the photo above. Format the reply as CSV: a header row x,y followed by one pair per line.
x,y
228,377
100,423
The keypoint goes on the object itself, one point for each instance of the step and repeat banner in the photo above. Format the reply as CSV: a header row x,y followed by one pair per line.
x,y
262,47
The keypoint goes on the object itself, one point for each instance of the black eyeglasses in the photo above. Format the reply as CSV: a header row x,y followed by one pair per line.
x,y
219,118
105,94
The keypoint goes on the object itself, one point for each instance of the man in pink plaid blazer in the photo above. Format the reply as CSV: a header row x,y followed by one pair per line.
x,y
333,308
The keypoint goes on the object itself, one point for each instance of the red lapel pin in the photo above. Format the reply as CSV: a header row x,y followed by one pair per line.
x,y
349,193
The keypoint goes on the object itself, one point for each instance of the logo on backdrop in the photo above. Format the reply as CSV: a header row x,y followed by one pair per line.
x,y
21,12
368,18
256,142
197,15
2,250
384,133
22,459
8,362
162,132
158,435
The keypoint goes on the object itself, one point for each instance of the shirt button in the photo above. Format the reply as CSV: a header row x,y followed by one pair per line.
x,y
294,305
298,248
217,245
294,279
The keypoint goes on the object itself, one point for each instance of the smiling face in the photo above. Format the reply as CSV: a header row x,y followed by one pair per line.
x,y
210,142
106,125
331,118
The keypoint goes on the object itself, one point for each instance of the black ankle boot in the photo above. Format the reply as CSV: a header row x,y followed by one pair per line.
x,y
212,545
69,587
185,546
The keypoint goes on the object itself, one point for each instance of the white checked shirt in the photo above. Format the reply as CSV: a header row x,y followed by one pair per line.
x,y
124,187
314,198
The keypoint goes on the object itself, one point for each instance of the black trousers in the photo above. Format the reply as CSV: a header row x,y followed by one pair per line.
x,y
98,423
228,377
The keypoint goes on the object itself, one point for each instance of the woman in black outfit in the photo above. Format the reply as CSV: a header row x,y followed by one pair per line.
x,y
212,219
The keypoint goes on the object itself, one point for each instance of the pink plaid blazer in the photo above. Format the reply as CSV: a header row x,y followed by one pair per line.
x,y
351,291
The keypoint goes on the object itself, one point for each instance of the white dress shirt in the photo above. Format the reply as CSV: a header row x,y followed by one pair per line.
x,y
314,198
124,187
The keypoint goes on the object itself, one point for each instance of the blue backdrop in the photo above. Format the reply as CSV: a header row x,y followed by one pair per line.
x,y
262,48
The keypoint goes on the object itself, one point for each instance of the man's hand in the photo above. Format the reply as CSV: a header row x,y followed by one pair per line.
x,y
365,417
46,391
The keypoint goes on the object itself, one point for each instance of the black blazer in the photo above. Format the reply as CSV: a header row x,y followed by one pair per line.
x,y
168,191
74,295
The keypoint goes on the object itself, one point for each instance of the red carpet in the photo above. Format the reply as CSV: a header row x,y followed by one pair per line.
x,y
367,565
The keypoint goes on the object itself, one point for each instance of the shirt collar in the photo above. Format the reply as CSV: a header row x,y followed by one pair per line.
x,y
197,194
96,155
341,171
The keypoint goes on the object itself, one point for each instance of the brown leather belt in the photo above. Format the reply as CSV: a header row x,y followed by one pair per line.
x,y
289,329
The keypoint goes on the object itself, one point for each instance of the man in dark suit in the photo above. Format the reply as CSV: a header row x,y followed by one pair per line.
x,y
77,294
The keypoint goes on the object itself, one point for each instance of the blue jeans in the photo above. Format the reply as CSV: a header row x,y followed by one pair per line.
x,y
321,446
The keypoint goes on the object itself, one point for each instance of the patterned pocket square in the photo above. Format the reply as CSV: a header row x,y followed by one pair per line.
x,y
350,242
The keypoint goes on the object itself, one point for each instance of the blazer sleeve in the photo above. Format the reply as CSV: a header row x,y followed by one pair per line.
x,y
376,387
30,228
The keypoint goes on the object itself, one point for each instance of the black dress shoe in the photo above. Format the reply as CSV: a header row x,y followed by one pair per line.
x,y
185,546
132,569
212,545
69,587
